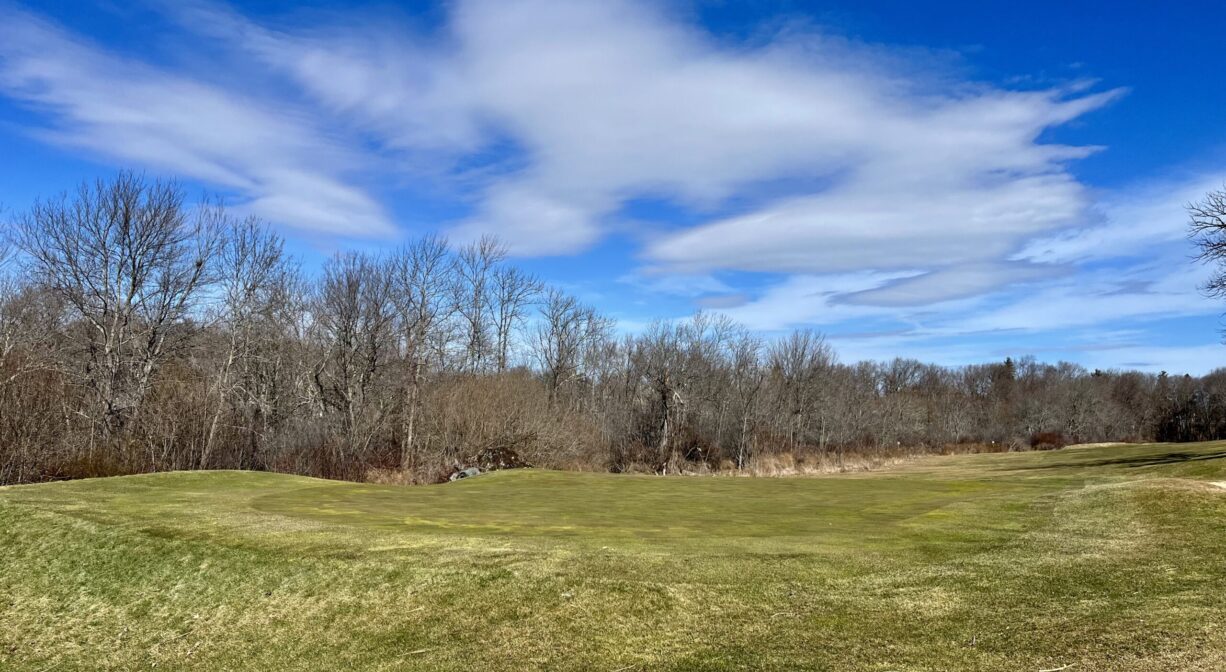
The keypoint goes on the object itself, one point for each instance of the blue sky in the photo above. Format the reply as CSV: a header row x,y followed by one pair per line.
x,y
955,183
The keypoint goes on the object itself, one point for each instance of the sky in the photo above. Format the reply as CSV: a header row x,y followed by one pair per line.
x,y
954,182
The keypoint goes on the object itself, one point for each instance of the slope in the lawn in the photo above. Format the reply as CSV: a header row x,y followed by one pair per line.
x,y
1106,557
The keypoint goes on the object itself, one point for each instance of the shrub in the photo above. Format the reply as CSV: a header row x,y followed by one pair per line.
x,y
1048,441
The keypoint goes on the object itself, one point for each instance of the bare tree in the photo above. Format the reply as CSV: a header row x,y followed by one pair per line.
x,y
660,360
251,261
7,250
514,293
9,325
412,360
1208,231
475,266
129,260
568,329
31,328
355,325
745,354
278,381
422,274
799,362
701,382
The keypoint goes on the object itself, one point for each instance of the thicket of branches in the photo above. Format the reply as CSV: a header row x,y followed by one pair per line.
x,y
140,333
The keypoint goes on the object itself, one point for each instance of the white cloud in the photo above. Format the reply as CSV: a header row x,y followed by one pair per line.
x,y
1131,222
887,226
613,100
532,221
812,300
1129,295
136,114
900,193
403,87
678,284
1148,291
971,279
1054,304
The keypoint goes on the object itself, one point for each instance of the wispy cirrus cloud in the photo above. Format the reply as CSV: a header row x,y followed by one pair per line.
x,y
613,100
281,165
1129,222
403,87
862,187
1134,292
1131,293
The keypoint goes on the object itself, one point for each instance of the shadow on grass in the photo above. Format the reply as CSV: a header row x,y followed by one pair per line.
x,y
1135,461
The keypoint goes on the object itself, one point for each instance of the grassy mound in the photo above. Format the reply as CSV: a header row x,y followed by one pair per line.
x,y
1104,558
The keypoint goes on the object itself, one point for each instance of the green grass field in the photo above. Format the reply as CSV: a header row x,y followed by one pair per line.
x,y
1107,558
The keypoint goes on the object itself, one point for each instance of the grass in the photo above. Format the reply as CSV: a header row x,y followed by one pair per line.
x,y
1103,558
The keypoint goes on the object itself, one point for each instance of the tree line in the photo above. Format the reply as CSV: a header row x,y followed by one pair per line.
x,y
139,332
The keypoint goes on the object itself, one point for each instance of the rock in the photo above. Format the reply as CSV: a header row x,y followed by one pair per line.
x,y
465,473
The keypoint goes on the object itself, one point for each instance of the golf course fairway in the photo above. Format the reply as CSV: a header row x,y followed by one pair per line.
x,y
1087,558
